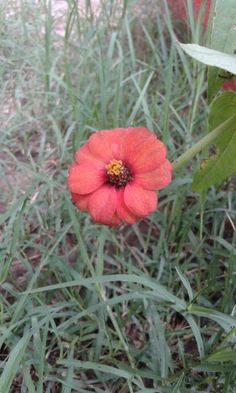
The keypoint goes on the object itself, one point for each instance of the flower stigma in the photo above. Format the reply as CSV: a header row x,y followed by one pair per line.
x,y
118,174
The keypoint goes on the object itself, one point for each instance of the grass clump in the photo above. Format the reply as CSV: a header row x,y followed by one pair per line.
x,y
144,308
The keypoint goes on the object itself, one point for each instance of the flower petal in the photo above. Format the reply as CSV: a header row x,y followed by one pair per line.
x,y
115,220
123,212
83,156
102,204
229,85
147,156
135,137
107,144
139,135
157,179
139,201
85,179
143,151
81,201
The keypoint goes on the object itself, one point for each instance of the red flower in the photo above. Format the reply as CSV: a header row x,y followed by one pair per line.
x,y
229,84
116,173
197,4
179,10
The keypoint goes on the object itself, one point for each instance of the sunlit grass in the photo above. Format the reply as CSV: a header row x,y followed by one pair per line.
x,y
142,308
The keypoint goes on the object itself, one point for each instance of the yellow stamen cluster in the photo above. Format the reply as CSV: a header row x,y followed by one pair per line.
x,y
118,174
115,168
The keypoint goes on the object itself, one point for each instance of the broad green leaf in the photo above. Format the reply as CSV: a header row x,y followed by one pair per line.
x,y
221,109
223,38
211,57
222,163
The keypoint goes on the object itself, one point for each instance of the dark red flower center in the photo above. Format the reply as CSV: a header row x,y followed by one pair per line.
x,y
118,174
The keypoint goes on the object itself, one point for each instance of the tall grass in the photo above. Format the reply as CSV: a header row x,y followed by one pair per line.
x,y
144,308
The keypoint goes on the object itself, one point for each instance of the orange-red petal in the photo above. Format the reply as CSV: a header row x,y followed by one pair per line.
x,y
143,151
229,85
102,204
148,157
157,179
122,210
137,135
81,201
85,179
83,156
107,144
139,201
115,220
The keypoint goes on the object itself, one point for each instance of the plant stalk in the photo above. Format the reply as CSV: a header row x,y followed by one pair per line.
x,y
181,161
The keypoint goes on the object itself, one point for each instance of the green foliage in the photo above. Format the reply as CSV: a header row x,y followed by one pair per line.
x,y
222,38
211,57
11,365
224,355
222,162
220,55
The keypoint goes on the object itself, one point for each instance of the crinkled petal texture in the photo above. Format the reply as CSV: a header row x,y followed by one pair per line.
x,y
145,157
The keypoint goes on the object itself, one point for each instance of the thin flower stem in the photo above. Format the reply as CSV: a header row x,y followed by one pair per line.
x,y
181,161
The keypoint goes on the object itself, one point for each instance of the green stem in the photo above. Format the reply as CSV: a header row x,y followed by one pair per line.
x,y
200,145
